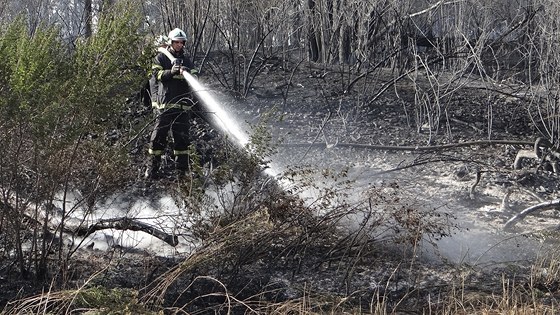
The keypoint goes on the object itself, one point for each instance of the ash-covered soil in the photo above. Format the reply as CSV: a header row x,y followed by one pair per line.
x,y
322,125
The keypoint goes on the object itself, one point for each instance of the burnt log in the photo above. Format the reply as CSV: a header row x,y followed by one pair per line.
x,y
125,223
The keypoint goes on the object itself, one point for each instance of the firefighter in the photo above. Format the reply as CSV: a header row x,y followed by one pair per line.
x,y
174,105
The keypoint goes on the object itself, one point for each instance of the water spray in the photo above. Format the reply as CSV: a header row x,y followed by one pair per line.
x,y
219,118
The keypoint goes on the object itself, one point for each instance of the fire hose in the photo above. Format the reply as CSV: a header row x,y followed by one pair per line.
x,y
220,119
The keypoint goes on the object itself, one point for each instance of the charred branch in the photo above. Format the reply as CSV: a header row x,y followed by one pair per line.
x,y
123,223
412,148
547,205
127,224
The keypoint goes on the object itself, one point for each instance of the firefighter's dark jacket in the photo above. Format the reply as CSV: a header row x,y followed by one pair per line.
x,y
173,90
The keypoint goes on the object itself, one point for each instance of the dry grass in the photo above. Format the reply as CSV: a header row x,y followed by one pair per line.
x,y
535,293
87,299
274,260
513,299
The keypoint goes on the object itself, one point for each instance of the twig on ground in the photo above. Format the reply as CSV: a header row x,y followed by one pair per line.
x,y
478,177
547,205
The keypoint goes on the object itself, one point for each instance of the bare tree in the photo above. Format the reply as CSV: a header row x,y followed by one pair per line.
x,y
88,15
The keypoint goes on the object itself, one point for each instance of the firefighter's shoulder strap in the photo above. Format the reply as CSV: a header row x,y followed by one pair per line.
x,y
166,52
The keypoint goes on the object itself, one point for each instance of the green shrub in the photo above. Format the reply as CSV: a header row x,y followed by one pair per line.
x,y
57,101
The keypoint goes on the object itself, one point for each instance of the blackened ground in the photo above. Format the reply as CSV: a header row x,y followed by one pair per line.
x,y
314,121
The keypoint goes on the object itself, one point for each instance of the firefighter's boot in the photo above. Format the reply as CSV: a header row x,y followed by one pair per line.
x,y
182,165
152,170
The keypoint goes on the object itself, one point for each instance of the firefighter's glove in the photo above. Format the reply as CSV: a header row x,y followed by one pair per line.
x,y
176,70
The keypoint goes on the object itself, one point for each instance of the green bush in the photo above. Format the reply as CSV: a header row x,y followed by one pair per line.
x,y
57,101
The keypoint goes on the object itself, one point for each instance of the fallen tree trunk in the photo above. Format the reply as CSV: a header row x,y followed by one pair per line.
x,y
547,205
127,224
123,223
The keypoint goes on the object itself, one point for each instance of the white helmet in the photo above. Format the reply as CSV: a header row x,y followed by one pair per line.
x,y
176,35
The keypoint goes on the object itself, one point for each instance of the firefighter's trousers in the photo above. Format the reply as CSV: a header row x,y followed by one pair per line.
x,y
178,122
